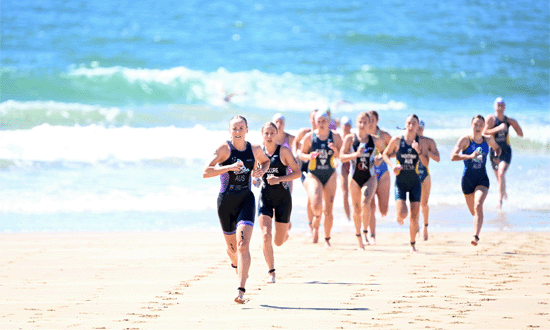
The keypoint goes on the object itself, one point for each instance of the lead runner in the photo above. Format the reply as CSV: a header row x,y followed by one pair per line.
x,y
234,161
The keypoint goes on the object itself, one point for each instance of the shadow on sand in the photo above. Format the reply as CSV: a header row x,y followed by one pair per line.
x,y
315,308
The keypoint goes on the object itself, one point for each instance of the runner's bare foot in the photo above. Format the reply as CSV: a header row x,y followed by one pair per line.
x,y
413,248
360,241
271,278
372,239
315,235
366,234
310,231
475,240
239,299
425,232
327,243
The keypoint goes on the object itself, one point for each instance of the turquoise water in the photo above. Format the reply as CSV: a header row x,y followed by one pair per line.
x,y
109,110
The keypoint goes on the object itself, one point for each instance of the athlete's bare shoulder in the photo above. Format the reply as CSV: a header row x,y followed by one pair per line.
x,y
428,140
223,149
336,134
395,139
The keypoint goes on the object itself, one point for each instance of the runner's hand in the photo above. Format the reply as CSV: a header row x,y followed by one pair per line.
x,y
237,166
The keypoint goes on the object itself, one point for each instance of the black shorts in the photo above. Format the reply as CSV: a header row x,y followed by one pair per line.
x,y
505,156
236,208
275,199
411,185
469,183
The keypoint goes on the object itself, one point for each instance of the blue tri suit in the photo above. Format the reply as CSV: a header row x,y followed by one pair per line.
x,y
475,173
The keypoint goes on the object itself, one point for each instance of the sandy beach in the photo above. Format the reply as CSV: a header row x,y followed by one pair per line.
x,y
183,280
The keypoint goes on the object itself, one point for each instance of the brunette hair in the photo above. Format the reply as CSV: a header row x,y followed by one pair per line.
x,y
364,113
239,117
414,116
477,117
373,113
269,123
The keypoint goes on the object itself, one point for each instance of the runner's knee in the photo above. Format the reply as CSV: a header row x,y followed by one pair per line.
x,y
279,240
267,236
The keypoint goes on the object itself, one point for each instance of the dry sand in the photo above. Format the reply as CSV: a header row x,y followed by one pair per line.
x,y
184,281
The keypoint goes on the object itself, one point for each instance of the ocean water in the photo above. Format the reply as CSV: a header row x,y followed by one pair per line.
x,y
109,110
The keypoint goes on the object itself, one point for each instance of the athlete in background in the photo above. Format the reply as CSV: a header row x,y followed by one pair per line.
x,y
359,151
426,178
345,124
497,125
275,201
321,148
409,150
382,175
297,149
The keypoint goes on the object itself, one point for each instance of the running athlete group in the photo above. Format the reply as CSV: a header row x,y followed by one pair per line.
x,y
313,155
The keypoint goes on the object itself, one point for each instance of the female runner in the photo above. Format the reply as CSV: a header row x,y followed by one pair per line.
x,y
234,161
275,202
283,138
473,150
498,125
426,178
359,150
297,149
321,148
345,124
382,175
408,150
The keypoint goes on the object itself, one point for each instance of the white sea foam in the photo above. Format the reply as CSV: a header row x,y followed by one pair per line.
x,y
50,107
253,88
96,143
108,170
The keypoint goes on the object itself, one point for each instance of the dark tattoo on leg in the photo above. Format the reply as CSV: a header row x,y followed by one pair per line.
x,y
242,234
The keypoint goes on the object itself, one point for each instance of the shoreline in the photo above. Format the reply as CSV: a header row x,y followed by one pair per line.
x,y
174,279
443,218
